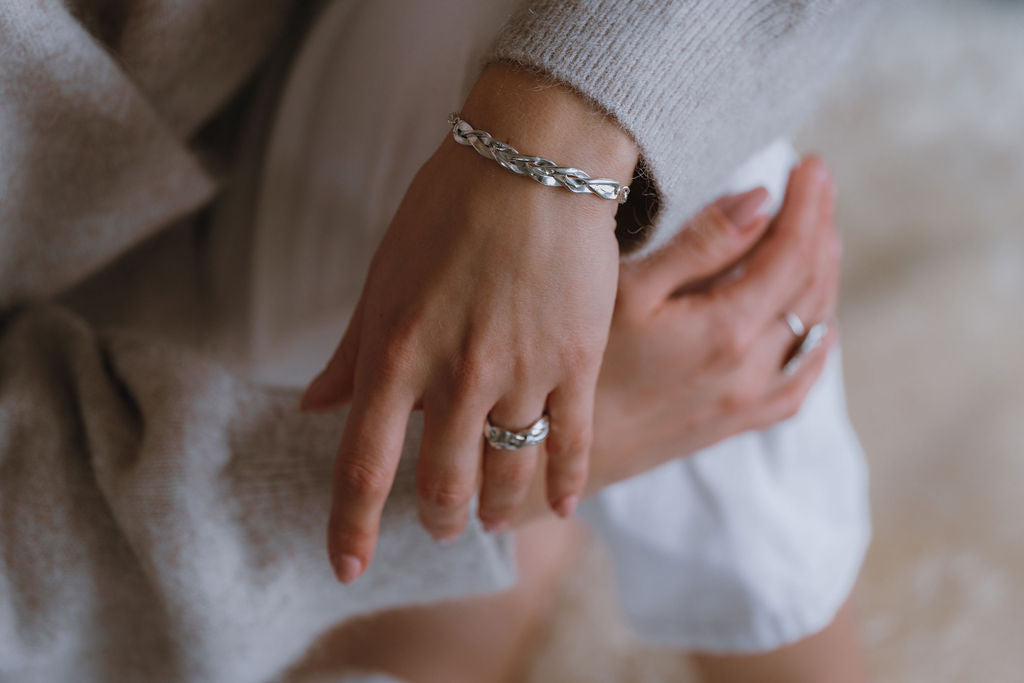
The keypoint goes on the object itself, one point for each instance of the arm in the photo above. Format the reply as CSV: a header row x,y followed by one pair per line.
x,y
448,331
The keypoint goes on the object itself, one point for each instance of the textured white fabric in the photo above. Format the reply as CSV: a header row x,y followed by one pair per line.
x,y
754,542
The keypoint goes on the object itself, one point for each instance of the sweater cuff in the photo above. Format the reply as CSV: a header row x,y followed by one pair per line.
x,y
700,85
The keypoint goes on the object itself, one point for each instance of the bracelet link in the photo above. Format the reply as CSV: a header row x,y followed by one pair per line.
x,y
544,171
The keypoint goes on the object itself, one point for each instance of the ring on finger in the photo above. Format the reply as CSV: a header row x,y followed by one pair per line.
x,y
811,341
795,324
509,440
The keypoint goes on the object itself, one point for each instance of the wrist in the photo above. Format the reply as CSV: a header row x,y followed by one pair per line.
x,y
540,117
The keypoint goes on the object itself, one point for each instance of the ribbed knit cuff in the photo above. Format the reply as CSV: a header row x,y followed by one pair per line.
x,y
700,85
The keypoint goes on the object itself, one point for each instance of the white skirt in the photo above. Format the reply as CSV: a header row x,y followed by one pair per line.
x,y
745,546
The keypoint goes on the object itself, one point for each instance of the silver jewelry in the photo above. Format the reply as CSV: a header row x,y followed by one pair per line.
x,y
542,170
796,325
813,340
507,440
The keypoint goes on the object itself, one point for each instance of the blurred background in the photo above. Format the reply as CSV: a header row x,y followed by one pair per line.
x,y
926,137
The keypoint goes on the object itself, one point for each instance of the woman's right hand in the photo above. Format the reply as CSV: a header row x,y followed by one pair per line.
x,y
697,345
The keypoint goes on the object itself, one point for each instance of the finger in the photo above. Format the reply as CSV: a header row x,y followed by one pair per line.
x,y
571,410
780,266
710,244
449,465
818,302
787,398
507,475
816,309
333,387
363,474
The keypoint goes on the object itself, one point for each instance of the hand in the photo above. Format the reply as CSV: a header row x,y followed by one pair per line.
x,y
489,295
697,347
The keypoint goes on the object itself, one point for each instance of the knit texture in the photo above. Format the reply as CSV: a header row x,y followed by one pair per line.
x,y
701,85
161,519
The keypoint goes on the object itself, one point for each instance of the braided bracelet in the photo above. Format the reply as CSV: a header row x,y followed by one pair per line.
x,y
542,170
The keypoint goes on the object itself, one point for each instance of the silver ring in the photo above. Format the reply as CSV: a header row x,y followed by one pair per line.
x,y
813,340
795,324
507,440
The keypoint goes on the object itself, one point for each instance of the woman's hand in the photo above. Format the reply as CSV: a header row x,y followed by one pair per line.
x,y
697,346
697,343
490,294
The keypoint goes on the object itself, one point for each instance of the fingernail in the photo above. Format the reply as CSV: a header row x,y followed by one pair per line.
x,y
347,568
446,541
496,527
567,506
748,205
822,171
315,393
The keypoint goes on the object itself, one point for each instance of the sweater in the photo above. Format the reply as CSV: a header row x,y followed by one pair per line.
x,y
162,517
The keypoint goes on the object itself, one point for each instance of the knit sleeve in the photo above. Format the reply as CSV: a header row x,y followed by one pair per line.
x,y
701,85
162,520
87,167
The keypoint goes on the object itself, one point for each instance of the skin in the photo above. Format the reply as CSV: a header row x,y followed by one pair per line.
x,y
490,294
694,352
694,355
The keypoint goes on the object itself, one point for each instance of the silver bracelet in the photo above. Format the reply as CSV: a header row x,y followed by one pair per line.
x,y
542,170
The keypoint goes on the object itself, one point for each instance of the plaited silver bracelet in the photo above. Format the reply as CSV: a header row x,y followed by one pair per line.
x,y
542,170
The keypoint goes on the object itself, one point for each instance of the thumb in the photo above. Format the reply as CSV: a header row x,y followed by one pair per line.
x,y
333,387
711,243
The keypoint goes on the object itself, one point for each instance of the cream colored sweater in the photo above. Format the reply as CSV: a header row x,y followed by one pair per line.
x,y
160,518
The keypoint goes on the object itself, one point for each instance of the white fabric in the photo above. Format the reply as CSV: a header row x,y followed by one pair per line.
x,y
754,542
745,546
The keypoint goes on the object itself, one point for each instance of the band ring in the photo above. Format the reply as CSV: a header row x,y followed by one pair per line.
x,y
508,440
811,341
795,324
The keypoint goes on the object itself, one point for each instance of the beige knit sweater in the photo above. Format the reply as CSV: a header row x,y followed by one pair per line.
x,y
160,518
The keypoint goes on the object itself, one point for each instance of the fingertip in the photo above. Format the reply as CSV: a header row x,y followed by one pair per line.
x,y
743,212
347,568
565,507
346,561
758,224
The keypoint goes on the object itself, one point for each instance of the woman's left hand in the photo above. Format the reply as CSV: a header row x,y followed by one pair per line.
x,y
489,296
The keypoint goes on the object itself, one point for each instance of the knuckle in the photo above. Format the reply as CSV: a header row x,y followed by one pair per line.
x,y
360,480
737,342
470,374
579,356
394,359
804,250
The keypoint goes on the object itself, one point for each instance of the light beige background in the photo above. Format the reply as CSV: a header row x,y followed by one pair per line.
x,y
926,136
